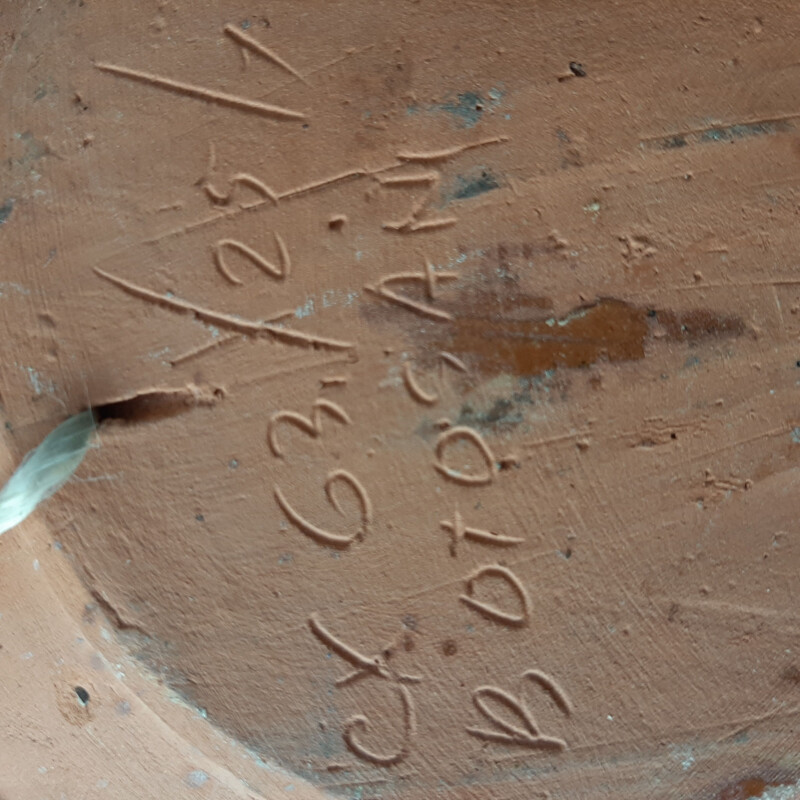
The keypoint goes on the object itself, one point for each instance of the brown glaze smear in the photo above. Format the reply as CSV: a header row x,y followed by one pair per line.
x,y
747,788
609,329
502,330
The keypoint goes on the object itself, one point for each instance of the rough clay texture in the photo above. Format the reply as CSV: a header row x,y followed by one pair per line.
x,y
459,444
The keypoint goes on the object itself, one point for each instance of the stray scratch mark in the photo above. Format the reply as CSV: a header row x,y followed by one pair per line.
x,y
311,187
203,348
732,284
740,443
749,722
349,53
201,93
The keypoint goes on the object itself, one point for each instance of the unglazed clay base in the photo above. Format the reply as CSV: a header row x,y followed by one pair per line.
x,y
452,355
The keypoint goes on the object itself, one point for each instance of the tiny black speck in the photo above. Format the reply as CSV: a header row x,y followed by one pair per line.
x,y
199,517
577,69
83,695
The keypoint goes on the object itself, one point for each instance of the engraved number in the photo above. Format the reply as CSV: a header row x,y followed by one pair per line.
x,y
470,479
312,425
321,535
527,732
254,257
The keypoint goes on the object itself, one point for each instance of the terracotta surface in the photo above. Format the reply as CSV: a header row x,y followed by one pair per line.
x,y
448,360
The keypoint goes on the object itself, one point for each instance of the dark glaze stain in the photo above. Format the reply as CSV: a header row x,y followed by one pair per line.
x,y
721,133
471,185
695,326
6,209
792,674
673,142
34,148
466,108
503,254
610,329
503,413
730,133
